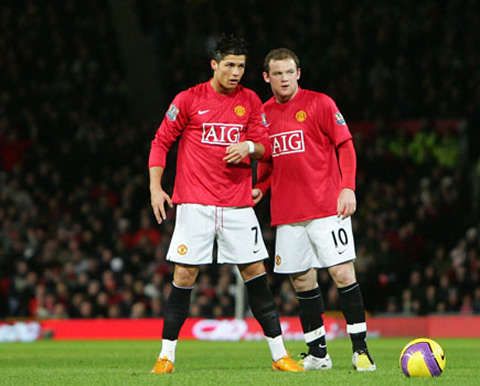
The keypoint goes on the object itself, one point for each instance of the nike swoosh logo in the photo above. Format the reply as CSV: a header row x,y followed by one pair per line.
x,y
341,252
258,250
201,112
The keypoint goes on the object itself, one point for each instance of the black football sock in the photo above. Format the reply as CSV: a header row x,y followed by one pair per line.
x,y
351,302
176,311
311,316
263,306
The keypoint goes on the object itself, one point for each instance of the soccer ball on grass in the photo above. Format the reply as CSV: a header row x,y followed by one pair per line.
x,y
422,357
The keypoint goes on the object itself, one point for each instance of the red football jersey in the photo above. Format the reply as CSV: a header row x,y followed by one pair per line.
x,y
206,123
306,180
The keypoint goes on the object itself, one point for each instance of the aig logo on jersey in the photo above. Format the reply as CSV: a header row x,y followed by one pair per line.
x,y
287,143
221,134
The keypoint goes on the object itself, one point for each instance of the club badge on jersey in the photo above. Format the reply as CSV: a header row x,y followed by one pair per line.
x,y
301,115
240,111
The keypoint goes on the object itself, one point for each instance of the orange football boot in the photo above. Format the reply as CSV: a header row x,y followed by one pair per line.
x,y
163,366
287,364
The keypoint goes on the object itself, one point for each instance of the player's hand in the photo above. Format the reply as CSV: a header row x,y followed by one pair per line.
x,y
158,199
235,153
347,203
257,195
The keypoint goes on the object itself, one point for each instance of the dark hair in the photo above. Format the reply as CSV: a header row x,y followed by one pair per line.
x,y
280,54
229,45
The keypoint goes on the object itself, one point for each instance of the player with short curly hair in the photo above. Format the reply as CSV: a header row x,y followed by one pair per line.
x,y
312,177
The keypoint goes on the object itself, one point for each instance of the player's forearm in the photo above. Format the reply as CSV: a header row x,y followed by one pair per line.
x,y
259,151
347,160
156,174
263,149
160,146
264,174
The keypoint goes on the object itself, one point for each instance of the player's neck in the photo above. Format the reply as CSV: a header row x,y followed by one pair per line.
x,y
286,98
219,89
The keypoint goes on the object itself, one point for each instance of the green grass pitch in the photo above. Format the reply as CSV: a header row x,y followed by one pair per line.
x,y
216,363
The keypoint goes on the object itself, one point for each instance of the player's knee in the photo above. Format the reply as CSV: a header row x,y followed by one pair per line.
x,y
185,276
304,281
251,271
343,275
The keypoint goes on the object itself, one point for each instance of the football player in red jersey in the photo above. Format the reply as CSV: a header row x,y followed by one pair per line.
x,y
220,125
312,199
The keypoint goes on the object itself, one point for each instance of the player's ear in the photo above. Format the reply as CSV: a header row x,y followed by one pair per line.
x,y
298,74
265,77
213,64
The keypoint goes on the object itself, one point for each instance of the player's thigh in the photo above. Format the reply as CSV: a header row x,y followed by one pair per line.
x,y
239,237
333,240
293,250
193,236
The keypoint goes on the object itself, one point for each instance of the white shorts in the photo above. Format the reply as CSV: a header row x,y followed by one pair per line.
x,y
319,243
236,230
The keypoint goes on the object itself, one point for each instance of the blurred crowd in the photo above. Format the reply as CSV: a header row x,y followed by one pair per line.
x,y
402,59
77,236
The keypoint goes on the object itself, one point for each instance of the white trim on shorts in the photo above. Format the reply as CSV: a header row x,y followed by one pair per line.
x,y
236,230
319,243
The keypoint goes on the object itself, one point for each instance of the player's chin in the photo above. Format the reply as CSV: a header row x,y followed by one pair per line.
x,y
284,91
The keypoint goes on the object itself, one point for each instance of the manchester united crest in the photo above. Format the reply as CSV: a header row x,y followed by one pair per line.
x,y
240,111
182,249
301,115
278,260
